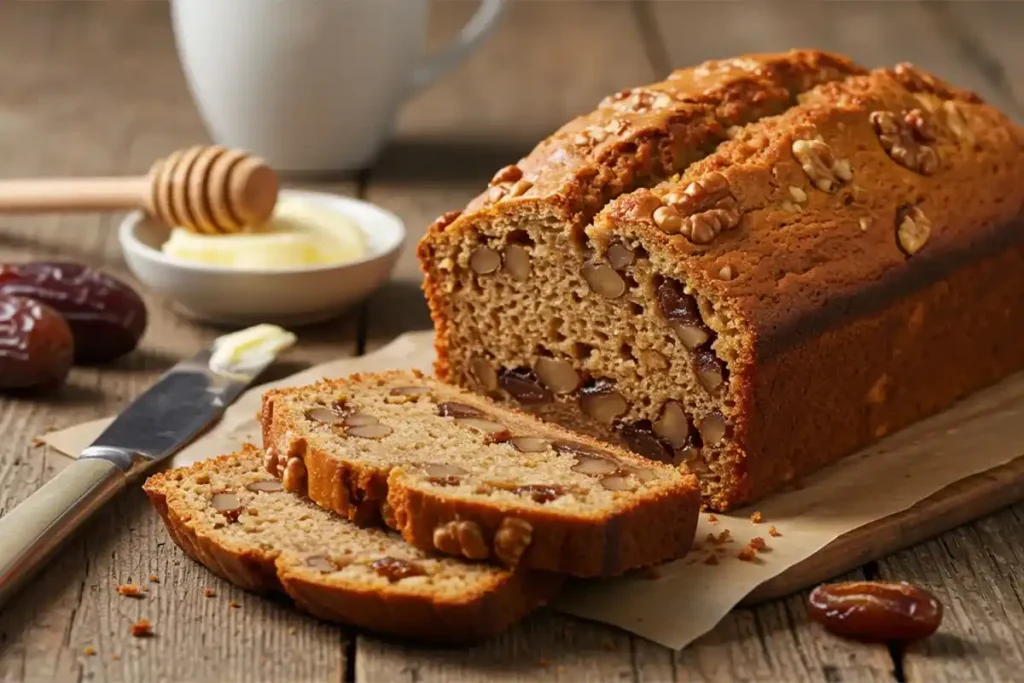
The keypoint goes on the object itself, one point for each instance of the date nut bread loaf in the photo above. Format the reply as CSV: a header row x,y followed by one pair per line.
x,y
829,274
230,515
456,473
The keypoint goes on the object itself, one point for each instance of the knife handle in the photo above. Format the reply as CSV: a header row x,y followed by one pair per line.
x,y
33,530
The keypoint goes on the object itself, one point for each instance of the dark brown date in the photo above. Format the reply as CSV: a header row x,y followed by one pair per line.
x,y
876,611
36,346
106,316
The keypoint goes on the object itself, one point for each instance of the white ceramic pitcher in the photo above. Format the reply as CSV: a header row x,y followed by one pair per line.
x,y
311,85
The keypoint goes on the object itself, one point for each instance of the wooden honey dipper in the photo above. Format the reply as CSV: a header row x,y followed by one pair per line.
x,y
207,190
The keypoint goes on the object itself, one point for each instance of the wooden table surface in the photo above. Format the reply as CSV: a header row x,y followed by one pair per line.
x,y
95,88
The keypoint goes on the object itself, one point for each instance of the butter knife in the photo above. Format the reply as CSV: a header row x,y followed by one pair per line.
x,y
165,418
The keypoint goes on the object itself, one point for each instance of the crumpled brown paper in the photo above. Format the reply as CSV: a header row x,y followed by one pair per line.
x,y
688,597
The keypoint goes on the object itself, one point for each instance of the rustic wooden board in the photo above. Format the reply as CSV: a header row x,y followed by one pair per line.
x,y
95,87
962,502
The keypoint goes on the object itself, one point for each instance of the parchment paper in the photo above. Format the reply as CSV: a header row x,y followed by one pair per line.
x,y
688,597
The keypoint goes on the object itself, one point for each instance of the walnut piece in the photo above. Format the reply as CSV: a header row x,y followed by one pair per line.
x,y
294,478
703,209
508,174
912,229
637,101
819,163
957,122
903,137
461,538
512,539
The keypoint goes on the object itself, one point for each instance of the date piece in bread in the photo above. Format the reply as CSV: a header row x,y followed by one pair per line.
x,y
829,275
230,515
456,473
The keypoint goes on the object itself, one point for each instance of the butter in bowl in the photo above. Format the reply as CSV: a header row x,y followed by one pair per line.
x,y
318,255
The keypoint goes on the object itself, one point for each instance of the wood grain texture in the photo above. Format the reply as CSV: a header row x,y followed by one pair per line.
x,y
966,500
95,88
872,32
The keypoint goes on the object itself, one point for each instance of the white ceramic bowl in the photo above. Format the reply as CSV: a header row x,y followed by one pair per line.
x,y
296,296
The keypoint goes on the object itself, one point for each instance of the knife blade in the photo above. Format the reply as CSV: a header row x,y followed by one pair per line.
x,y
182,404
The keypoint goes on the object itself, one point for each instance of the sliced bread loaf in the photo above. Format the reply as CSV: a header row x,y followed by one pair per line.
x,y
228,514
455,472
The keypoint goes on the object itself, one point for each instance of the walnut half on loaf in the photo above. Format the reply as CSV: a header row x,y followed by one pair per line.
x,y
811,279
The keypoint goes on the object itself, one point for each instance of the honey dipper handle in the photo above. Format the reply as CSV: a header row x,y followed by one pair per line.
x,y
73,194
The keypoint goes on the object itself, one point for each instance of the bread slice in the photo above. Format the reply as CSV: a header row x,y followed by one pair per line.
x,y
231,516
455,472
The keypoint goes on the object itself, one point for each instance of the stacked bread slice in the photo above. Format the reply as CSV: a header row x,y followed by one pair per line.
x,y
232,516
494,507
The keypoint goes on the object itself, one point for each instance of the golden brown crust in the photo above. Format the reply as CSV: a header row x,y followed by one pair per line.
x,y
657,528
444,618
634,138
833,278
868,240
642,536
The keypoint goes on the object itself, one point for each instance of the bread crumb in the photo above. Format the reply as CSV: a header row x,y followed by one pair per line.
x,y
747,554
758,544
37,442
543,661
153,578
115,658
234,604
130,590
610,646
89,651
293,630
757,517
711,559
772,531
209,592
712,518
142,629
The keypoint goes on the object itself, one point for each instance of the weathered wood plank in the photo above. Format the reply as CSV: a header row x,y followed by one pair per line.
x,y
775,642
546,647
95,88
545,64
987,34
975,572
872,33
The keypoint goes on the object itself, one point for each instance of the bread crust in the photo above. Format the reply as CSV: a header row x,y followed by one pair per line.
x,y
444,619
805,276
910,325
634,138
656,529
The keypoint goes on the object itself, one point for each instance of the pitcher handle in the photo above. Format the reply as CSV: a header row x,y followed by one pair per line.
x,y
471,35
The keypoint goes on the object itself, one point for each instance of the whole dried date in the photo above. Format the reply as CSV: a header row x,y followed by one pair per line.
x,y
106,316
876,610
36,346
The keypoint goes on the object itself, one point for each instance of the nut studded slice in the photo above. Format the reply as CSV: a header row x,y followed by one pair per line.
x,y
231,516
456,473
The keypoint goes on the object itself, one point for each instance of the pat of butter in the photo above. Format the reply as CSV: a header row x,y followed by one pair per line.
x,y
249,348
299,233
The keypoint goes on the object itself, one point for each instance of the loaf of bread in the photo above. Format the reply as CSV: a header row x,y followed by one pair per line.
x,y
231,516
829,274
457,474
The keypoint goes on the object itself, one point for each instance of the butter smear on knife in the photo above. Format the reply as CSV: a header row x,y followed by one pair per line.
x,y
251,347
